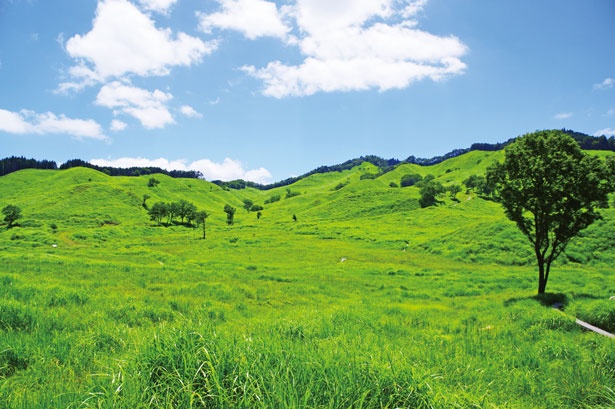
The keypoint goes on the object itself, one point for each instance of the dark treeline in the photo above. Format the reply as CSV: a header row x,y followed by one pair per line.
x,y
13,164
388,164
133,171
586,142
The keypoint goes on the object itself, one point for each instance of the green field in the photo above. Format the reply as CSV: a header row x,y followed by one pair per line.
x,y
365,301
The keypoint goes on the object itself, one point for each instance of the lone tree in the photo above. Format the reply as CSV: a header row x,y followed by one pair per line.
x,y
199,218
230,214
153,182
11,214
551,189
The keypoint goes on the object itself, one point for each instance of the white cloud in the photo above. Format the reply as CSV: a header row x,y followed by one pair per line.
x,y
125,41
358,45
190,112
253,18
161,6
29,122
605,132
563,115
117,125
606,84
229,169
148,107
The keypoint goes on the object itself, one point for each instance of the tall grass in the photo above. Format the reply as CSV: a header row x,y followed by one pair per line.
x,y
365,302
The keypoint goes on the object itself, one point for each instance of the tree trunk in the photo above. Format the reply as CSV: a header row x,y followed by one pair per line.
x,y
542,278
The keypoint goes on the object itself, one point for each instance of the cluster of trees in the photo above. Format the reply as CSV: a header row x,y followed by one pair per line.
x,y
186,211
479,185
429,188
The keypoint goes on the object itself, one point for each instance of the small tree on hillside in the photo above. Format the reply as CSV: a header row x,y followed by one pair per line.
x,y
430,190
410,180
454,190
551,189
185,210
153,182
199,218
230,214
11,214
247,204
158,212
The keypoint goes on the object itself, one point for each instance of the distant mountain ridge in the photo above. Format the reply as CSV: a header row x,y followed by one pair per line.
x,y
13,163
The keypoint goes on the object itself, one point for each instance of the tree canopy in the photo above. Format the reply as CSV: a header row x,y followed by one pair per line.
x,y
11,214
552,190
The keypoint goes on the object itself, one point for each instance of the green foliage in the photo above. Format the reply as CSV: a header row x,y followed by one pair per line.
x,y
183,209
200,217
454,189
341,185
153,182
230,214
273,199
158,212
247,204
368,176
551,190
11,214
410,179
290,193
478,184
430,189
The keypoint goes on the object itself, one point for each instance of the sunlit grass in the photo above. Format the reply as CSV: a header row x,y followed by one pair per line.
x,y
366,301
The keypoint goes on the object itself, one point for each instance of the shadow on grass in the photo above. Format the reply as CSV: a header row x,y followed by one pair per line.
x,y
555,300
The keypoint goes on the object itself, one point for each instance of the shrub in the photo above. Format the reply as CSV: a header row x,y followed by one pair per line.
x,y
410,180
273,199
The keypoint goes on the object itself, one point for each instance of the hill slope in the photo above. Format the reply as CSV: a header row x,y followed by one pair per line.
x,y
365,300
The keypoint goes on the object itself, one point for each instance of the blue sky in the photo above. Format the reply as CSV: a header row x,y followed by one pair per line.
x,y
263,89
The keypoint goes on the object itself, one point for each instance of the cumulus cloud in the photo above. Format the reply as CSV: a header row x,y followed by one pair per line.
x,y
125,41
605,132
117,125
29,122
229,169
148,107
563,115
606,84
160,6
190,112
358,45
253,18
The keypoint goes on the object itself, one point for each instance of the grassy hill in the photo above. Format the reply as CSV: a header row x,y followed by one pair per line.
x,y
365,301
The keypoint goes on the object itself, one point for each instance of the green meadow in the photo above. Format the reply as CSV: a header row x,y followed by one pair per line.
x,y
366,300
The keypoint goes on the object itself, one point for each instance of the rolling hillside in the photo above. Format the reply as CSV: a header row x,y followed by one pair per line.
x,y
366,300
